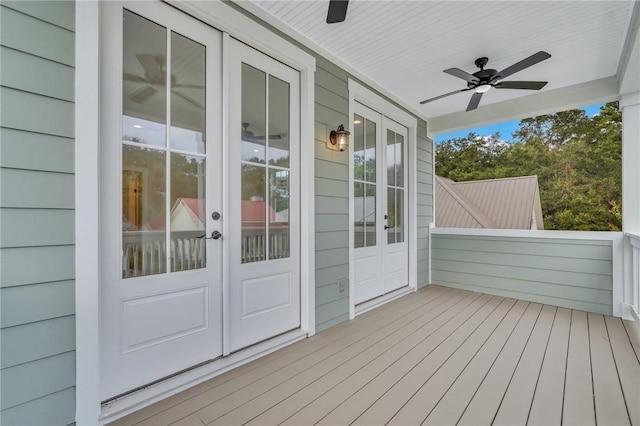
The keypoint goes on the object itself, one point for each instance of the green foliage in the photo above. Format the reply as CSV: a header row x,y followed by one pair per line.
x,y
578,161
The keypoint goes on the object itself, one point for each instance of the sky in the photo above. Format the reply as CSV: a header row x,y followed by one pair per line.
x,y
506,128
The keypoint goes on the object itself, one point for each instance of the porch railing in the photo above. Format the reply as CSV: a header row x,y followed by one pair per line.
x,y
144,252
635,274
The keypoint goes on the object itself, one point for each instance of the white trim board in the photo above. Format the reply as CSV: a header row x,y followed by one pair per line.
x,y
525,233
545,102
363,95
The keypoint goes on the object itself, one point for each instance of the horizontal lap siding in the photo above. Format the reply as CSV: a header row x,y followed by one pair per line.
x,y
424,201
575,274
37,220
332,198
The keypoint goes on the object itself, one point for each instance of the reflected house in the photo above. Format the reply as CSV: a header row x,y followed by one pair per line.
x,y
254,230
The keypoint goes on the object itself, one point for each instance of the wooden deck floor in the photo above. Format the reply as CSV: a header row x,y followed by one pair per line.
x,y
439,356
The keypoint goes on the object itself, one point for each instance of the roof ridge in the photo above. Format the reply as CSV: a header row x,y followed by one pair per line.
x,y
467,205
496,179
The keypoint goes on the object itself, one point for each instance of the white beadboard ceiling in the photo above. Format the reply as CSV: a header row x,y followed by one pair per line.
x,y
404,46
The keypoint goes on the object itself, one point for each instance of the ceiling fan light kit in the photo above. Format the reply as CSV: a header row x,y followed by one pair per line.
x,y
481,81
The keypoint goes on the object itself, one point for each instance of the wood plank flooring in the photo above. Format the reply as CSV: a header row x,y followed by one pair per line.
x,y
439,356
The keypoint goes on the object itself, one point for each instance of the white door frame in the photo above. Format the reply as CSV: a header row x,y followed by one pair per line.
x,y
89,410
363,95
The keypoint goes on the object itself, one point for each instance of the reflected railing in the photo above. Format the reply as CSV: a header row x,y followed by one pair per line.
x,y
144,252
254,247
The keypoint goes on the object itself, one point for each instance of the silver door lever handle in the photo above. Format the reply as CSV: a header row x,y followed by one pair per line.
x,y
215,235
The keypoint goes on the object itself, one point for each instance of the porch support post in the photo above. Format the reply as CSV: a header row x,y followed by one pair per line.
x,y
630,107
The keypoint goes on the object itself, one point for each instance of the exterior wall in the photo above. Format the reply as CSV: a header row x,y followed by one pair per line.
x,y
575,274
424,175
332,197
37,285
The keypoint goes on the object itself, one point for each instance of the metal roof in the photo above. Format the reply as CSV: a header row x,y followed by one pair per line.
x,y
496,203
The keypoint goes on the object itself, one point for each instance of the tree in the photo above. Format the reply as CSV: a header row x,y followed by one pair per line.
x,y
577,159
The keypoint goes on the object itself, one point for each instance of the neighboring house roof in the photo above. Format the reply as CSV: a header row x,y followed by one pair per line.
x,y
511,203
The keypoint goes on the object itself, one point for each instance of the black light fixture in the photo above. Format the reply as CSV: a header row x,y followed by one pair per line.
x,y
340,138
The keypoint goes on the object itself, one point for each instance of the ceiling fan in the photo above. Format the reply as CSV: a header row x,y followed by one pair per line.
x,y
337,11
248,135
155,73
481,81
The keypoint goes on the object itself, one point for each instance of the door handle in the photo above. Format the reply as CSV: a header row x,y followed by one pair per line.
x,y
215,235
386,227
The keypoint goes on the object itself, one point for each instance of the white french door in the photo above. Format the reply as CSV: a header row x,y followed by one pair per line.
x,y
380,200
161,290
264,152
175,292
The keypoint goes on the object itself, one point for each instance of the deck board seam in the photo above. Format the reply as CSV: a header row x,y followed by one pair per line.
x,y
454,352
439,344
477,295
544,355
615,364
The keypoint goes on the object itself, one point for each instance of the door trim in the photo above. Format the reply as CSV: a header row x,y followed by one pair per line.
x,y
361,94
87,113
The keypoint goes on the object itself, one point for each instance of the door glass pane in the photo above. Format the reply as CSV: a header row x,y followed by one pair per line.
x,y
254,123
359,214
370,151
187,94
143,211
399,220
253,213
278,138
144,98
391,215
187,220
358,147
399,163
391,158
278,214
370,215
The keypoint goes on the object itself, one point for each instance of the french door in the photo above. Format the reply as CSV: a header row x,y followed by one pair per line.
x,y
380,219
264,270
200,235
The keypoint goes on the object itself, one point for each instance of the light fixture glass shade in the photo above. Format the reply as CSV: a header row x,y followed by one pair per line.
x,y
483,88
340,138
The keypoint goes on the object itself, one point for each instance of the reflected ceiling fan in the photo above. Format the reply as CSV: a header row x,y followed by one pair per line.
x,y
155,73
337,11
248,135
481,81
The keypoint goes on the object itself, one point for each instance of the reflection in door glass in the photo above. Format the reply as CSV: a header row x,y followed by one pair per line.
x,y
395,185
254,114
146,199
143,211
253,213
278,138
187,214
187,94
265,181
278,214
144,81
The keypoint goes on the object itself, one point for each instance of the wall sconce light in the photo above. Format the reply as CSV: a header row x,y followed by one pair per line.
x,y
340,138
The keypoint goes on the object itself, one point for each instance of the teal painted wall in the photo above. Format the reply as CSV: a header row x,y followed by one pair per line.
x,y
575,274
37,322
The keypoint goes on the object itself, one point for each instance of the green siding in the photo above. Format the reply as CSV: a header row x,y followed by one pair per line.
x,y
575,274
37,306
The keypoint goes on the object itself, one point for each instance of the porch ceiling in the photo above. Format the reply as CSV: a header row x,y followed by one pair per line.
x,y
404,46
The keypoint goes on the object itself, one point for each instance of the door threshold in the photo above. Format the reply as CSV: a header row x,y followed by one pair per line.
x,y
139,399
381,300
